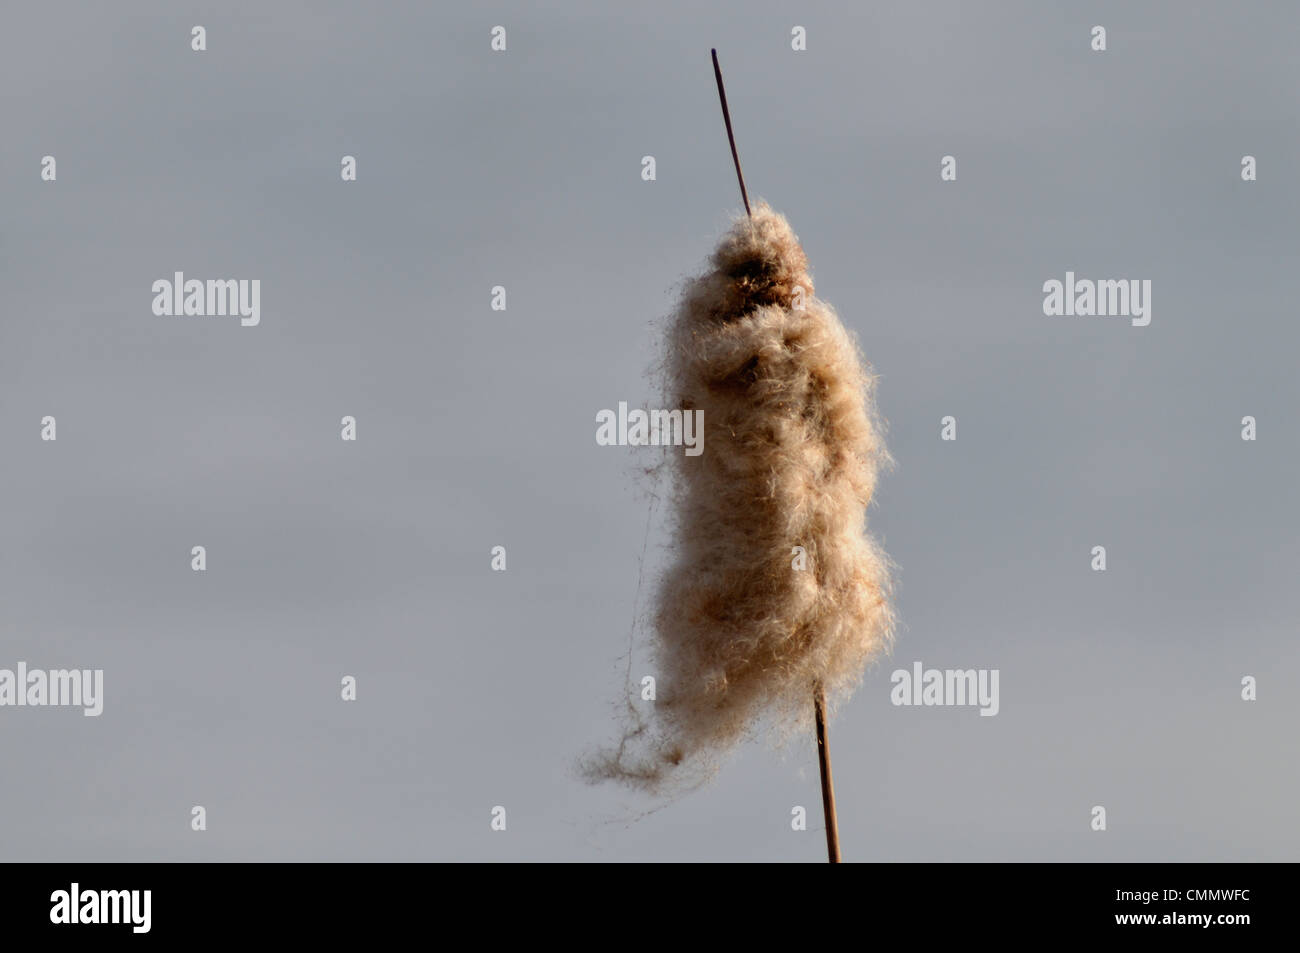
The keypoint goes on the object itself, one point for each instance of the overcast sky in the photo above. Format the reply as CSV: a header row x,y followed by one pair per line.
x,y
476,427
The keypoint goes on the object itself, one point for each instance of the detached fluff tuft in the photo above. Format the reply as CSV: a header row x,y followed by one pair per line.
x,y
790,454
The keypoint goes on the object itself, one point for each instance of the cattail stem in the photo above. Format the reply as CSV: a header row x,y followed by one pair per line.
x,y
828,786
726,117
819,694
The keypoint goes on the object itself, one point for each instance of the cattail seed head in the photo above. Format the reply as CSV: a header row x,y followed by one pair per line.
x,y
791,452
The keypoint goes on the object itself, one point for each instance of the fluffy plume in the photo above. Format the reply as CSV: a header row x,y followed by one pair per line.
x,y
791,452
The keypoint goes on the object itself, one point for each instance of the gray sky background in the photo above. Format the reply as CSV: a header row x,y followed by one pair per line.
x,y
476,428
